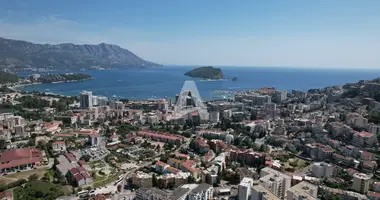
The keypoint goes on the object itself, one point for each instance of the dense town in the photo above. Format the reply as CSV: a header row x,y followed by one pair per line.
x,y
262,144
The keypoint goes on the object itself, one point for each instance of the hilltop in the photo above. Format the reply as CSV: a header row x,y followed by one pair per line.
x,y
206,73
6,77
20,55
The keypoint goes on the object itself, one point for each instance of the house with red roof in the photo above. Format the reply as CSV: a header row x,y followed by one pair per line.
x,y
59,146
167,138
79,176
52,127
20,159
182,156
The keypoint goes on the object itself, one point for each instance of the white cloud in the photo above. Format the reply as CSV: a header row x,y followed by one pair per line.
x,y
312,50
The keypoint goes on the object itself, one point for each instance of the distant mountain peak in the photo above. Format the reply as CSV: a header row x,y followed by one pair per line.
x,y
22,54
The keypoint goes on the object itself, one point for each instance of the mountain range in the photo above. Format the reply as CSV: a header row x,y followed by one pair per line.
x,y
18,55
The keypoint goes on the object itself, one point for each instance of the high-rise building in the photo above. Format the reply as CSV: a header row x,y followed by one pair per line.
x,y
244,189
360,183
189,102
280,96
276,182
102,101
86,99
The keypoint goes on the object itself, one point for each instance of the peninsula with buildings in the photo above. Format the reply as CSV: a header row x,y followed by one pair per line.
x,y
260,144
58,78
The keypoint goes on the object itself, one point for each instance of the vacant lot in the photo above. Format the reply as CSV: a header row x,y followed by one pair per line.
x,y
4,180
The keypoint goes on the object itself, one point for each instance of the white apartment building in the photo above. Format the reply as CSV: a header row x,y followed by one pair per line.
x,y
361,139
261,193
302,191
86,99
203,191
360,183
322,170
275,181
244,189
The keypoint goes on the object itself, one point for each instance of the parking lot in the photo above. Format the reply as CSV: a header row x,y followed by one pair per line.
x,y
96,153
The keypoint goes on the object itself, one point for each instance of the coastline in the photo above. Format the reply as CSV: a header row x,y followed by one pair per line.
x,y
18,87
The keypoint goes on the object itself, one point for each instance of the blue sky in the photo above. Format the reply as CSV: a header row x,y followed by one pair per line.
x,y
298,33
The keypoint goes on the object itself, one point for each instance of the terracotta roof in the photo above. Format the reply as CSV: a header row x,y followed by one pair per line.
x,y
78,177
70,157
74,171
59,142
374,194
365,134
162,164
17,157
81,169
156,135
82,162
62,135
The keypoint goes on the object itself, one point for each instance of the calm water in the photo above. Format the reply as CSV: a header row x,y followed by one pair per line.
x,y
168,81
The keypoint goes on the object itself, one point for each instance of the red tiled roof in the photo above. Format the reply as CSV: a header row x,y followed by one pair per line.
x,y
62,135
82,162
70,157
81,169
78,177
86,175
74,171
59,142
159,163
374,194
93,135
181,155
114,136
156,135
365,134
17,157
190,169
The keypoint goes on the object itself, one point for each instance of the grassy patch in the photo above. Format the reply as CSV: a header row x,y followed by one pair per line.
x,y
107,181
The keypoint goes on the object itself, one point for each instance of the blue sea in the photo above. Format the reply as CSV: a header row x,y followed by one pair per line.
x,y
168,81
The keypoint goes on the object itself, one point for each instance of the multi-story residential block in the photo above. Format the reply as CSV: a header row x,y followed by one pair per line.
x,y
142,180
86,99
244,188
360,182
322,170
152,194
275,181
364,139
169,138
203,191
261,193
303,190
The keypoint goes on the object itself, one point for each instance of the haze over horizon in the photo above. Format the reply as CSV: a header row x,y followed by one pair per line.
x,y
342,34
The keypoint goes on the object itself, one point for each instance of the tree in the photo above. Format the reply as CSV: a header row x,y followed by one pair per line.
x,y
154,180
33,177
85,157
3,144
191,179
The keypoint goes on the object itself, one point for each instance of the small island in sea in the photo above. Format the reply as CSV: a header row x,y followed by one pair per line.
x,y
58,78
207,72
